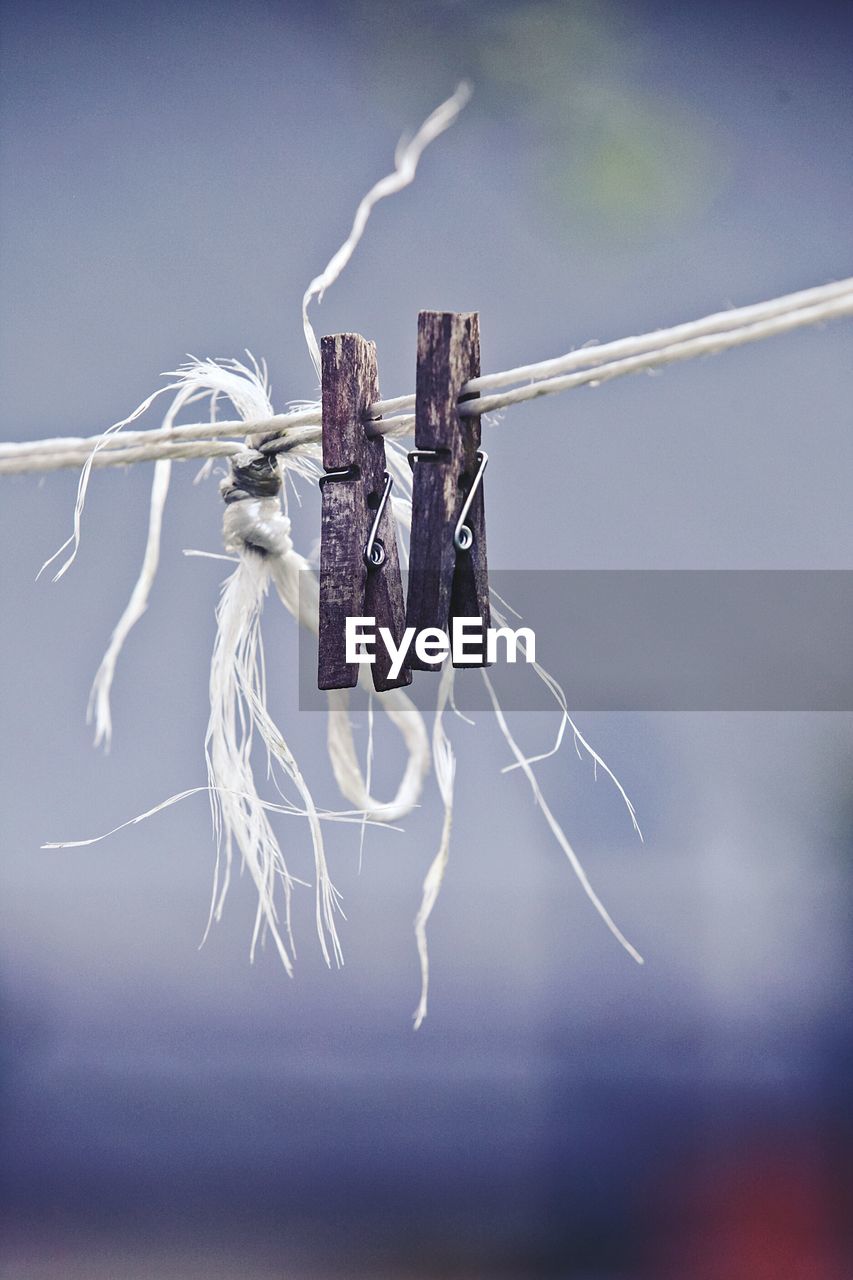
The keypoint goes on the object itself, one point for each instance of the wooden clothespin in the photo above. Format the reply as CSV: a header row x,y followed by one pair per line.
x,y
359,564
448,572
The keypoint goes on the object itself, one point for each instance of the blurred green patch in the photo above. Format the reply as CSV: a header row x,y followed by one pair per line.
x,y
607,151
638,168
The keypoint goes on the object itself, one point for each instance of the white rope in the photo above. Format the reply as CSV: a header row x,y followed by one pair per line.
x,y
299,431
719,322
236,689
832,309
239,708
24,464
161,435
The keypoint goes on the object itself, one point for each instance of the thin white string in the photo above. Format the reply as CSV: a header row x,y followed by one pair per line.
x,y
99,698
445,772
300,430
556,829
247,388
405,166
83,483
299,592
285,807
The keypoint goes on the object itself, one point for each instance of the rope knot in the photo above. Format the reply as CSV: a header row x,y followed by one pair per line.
x,y
254,520
253,475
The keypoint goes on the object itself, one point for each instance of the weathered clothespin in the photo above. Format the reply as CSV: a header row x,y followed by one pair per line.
x,y
448,573
359,564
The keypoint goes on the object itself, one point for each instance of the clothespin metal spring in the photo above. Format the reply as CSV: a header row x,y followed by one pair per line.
x,y
374,549
463,538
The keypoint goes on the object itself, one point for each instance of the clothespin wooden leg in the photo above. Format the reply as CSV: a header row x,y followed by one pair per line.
x,y
448,570
357,521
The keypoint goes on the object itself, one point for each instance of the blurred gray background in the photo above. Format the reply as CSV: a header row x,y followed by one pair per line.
x,y
172,176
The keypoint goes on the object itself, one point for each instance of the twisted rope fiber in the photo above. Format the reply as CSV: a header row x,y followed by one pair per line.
x,y
587,366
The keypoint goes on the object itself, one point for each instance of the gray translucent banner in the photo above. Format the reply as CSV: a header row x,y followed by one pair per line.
x,y
660,640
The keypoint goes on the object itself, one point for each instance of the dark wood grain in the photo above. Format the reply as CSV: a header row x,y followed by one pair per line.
x,y
445,583
347,588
